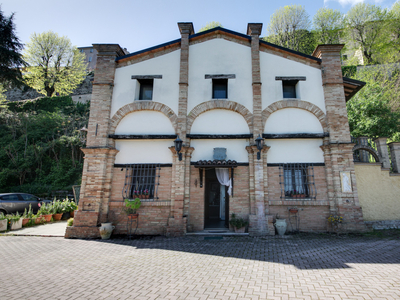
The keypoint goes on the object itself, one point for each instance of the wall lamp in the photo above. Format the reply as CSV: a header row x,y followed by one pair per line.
x,y
178,147
260,145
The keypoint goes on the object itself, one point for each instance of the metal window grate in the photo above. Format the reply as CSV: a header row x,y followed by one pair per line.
x,y
142,181
297,181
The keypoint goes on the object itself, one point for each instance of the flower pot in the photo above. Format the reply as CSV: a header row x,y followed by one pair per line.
x,y
57,217
3,225
240,230
39,220
66,216
133,216
106,230
72,214
25,221
293,210
47,218
280,225
16,224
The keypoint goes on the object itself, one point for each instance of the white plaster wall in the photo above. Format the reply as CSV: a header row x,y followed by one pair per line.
x,y
166,90
309,90
219,56
145,122
294,150
235,149
220,121
143,151
292,120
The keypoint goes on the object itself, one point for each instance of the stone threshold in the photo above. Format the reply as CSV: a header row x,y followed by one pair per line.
x,y
216,232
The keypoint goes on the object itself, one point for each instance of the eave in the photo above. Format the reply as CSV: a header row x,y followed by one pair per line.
x,y
351,87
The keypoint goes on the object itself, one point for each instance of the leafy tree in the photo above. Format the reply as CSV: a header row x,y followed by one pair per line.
x,y
210,25
327,23
365,24
375,111
288,27
10,56
55,65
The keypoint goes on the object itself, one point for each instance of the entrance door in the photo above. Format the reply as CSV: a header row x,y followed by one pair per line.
x,y
216,202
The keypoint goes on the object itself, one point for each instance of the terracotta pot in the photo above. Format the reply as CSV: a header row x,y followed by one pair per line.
x,y
39,219
72,214
25,221
47,218
57,217
240,230
133,216
293,210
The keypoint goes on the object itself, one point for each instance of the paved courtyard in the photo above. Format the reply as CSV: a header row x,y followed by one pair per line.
x,y
294,267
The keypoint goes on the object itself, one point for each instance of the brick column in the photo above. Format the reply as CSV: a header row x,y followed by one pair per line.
x,y
185,29
395,156
381,145
338,149
179,191
99,154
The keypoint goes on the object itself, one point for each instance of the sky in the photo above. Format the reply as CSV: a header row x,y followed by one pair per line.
x,y
140,24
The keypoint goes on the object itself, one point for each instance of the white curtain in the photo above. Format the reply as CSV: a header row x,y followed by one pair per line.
x,y
223,178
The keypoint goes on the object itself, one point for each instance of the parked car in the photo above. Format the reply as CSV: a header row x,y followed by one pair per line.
x,y
17,202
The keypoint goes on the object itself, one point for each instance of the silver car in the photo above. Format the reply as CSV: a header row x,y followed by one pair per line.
x,y
17,202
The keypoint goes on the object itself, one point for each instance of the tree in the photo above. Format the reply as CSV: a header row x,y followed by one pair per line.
x,y
327,23
365,24
375,111
210,25
55,65
10,56
287,27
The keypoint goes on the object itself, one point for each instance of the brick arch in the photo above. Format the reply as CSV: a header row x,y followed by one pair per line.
x,y
315,110
140,106
369,149
219,104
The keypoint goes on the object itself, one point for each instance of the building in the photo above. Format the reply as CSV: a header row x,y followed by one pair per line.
x,y
221,92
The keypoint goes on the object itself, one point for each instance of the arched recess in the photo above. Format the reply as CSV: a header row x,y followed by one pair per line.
x,y
142,105
219,104
315,110
369,149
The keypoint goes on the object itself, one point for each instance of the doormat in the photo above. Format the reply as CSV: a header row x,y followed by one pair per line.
x,y
213,237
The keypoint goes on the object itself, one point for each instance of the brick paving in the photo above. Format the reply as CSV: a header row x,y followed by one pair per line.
x,y
293,267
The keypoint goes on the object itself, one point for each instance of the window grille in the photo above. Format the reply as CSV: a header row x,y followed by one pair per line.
x,y
142,181
297,181
220,89
146,89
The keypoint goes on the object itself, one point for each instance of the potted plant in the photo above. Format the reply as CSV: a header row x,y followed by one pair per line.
x,y
3,222
45,211
27,216
336,222
68,208
131,207
57,210
38,219
238,223
15,221
74,207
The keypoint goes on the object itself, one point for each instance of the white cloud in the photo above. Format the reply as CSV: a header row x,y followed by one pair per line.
x,y
351,2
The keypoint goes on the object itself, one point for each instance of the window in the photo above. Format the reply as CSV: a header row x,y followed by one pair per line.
x,y
289,88
297,181
91,50
146,89
142,181
81,51
90,58
220,89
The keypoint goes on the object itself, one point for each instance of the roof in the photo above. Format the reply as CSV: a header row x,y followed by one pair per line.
x,y
223,31
351,87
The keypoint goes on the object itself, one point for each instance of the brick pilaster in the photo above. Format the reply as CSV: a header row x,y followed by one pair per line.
x,y
179,191
185,29
99,154
338,150
381,145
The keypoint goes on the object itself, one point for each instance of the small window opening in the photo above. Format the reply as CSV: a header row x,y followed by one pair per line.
x,y
146,89
289,88
220,89
90,58
91,50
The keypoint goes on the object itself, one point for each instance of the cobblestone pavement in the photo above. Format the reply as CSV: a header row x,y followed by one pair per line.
x,y
294,267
